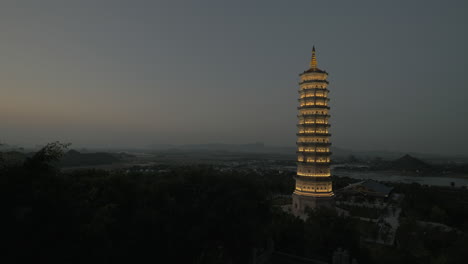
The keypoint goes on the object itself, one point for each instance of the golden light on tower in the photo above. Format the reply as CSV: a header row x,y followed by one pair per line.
x,y
313,179
313,61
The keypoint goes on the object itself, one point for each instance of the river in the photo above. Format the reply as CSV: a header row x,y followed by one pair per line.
x,y
395,177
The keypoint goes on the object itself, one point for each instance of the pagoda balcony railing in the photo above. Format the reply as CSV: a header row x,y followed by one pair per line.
x,y
304,90
313,106
313,134
312,81
313,98
313,125
314,115
311,153
316,70
314,178
318,144
316,163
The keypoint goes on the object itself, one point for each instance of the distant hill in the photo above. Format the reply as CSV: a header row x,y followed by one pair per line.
x,y
74,158
71,158
408,162
339,154
404,163
255,147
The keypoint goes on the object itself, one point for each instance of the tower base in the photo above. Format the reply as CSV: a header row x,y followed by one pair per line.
x,y
301,203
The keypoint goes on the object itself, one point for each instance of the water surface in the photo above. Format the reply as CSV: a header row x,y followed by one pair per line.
x,y
395,177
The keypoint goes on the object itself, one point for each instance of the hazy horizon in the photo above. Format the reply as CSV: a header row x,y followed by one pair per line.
x,y
126,74
234,148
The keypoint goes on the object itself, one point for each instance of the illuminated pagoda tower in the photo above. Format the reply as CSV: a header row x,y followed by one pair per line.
x,y
313,178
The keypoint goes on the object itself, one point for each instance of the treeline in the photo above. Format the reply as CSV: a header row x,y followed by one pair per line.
x,y
444,205
189,215
71,158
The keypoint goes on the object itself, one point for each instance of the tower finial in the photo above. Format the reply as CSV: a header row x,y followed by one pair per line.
x,y
313,61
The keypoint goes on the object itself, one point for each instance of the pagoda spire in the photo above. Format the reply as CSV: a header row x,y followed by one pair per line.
x,y
313,61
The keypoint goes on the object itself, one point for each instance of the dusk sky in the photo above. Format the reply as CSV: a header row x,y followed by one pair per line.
x,y
136,73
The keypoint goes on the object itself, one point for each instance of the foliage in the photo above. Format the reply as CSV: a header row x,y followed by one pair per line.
x,y
341,182
322,233
45,157
363,211
435,204
430,244
192,214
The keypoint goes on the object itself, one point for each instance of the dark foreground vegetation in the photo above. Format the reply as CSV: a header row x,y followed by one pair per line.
x,y
71,158
194,215
191,215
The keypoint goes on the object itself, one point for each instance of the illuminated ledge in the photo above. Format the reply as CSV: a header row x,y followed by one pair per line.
x,y
314,115
313,70
313,175
313,97
310,89
313,81
319,144
314,154
313,134
312,162
309,125
315,164
313,104
314,194
313,107
309,179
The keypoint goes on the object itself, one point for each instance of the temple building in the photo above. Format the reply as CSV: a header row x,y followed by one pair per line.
x,y
366,188
313,179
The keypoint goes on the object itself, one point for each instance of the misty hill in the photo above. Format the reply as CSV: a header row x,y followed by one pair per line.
x,y
7,148
339,154
404,163
408,162
74,158
254,147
